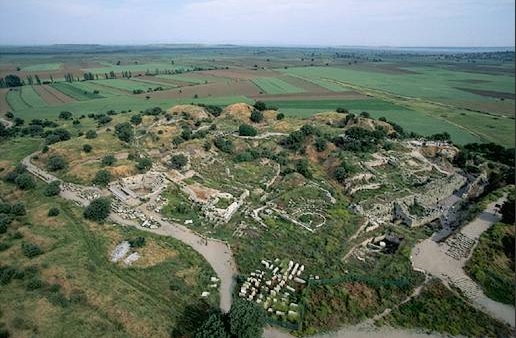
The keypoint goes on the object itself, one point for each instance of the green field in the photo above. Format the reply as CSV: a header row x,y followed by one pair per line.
x,y
76,91
154,82
118,103
182,78
23,98
430,83
271,85
126,85
136,68
42,67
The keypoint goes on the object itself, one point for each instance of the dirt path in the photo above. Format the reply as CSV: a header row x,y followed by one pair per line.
x,y
216,252
432,257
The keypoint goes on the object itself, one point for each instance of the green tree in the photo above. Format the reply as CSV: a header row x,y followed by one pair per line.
x,y
18,209
102,178
303,168
98,210
144,164
280,116
56,162
53,188
91,134
12,81
108,160
53,212
246,320
212,327
136,119
25,181
507,211
178,161
31,250
124,131
65,115
320,144
87,148
247,130
256,116
259,105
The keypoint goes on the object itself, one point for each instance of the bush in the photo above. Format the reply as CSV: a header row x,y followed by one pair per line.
x,y
223,144
98,210
25,181
212,327
18,209
108,160
137,242
102,178
53,212
178,161
136,119
320,144
259,105
124,131
34,283
56,162
303,169
87,148
52,189
256,116
31,250
91,134
247,130
65,115
144,164
280,116
246,319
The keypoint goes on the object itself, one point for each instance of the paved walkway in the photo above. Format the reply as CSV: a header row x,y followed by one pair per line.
x,y
434,258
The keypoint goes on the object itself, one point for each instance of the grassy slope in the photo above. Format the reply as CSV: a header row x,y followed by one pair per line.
x,y
42,67
119,301
492,263
438,309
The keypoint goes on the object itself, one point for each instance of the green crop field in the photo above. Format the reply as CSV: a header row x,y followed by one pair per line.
x,y
139,68
79,94
182,78
126,85
42,67
119,103
23,98
154,82
271,85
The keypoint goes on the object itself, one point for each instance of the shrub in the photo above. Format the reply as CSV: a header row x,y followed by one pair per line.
x,y
53,212
98,210
136,119
247,130
178,161
56,162
65,115
25,181
223,144
108,160
102,178
34,283
320,144
280,116
246,319
256,116
87,148
137,242
259,105
144,164
52,189
91,134
31,250
124,131
303,169
18,209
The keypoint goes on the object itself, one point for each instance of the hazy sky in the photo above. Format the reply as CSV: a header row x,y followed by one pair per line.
x,y
264,22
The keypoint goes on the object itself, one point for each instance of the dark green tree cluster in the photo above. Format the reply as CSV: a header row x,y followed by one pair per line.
x,y
65,115
21,177
90,134
11,81
295,140
52,189
144,164
88,76
303,168
108,160
102,178
256,116
137,242
124,131
215,111
361,140
247,130
136,119
177,161
56,162
244,320
9,212
56,135
98,210
87,148
223,144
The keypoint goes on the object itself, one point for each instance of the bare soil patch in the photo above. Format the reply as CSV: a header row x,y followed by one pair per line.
x,y
228,88
241,73
51,95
